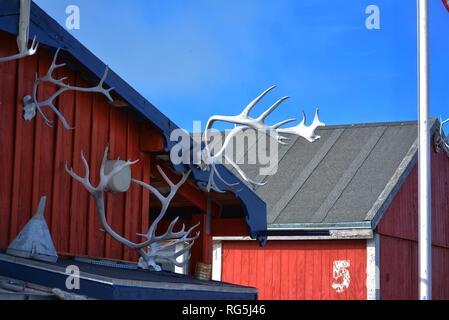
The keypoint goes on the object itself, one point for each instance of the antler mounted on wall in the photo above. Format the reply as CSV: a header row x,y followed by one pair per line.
x,y
31,103
23,52
244,121
152,248
23,34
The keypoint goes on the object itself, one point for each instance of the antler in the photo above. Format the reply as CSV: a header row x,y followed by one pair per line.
x,y
245,121
98,193
23,36
169,239
154,246
31,103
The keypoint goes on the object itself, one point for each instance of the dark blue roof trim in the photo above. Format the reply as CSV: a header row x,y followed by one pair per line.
x,y
50,33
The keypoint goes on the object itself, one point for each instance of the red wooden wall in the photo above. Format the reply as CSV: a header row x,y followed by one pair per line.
x,y
398,232
33,157
291,270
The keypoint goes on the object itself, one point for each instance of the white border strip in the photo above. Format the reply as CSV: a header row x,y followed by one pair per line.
x,y
333,235
372,268
217,260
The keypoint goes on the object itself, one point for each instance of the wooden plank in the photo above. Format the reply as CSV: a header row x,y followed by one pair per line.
x,y
99,140
244,270
291,272
80,196
133,196
44,144
229,227
202,248
252,264
23,149
309,271
8,79
317,286
145,194
300,273
151,140
276,253
268,273
116,202
62,182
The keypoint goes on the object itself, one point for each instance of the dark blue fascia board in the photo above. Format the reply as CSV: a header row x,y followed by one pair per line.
x,y
111,291
50,33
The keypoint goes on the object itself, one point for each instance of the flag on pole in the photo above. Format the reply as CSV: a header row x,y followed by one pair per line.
x,y
446,4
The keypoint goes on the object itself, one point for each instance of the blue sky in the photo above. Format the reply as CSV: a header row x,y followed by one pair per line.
x,y
193,59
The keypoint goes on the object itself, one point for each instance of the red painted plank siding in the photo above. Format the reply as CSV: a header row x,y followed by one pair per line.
x,y
33,158
399,233
290,270
8,86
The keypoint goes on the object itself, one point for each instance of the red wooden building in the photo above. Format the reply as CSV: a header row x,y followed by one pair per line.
x,y
33,154
342,219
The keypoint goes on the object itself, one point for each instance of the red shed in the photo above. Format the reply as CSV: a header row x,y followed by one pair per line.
x,y
34,154
342,219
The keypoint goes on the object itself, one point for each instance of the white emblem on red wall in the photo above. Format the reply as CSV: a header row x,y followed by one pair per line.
x,y
341,275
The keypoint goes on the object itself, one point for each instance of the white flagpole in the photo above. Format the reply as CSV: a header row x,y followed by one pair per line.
x,y
424,202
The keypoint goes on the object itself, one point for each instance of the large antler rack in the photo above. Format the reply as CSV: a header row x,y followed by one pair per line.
x,y
244,121
31,103
155,247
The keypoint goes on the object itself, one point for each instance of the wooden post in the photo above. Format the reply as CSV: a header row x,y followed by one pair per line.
x,y
202,249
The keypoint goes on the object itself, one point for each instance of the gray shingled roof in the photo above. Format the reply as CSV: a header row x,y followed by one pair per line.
x,y
347,177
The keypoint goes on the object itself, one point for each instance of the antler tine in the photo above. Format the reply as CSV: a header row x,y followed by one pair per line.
x,y
23,52
242,173
119,167
174,187
59,115
47,121
86,166
184,238
83,180
264,115
169,231
34,46
100,86
302,130
103,162
105,178
284,122
171,244
316,120
54,65
252,104
164,176
172,257
152,189
222,179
